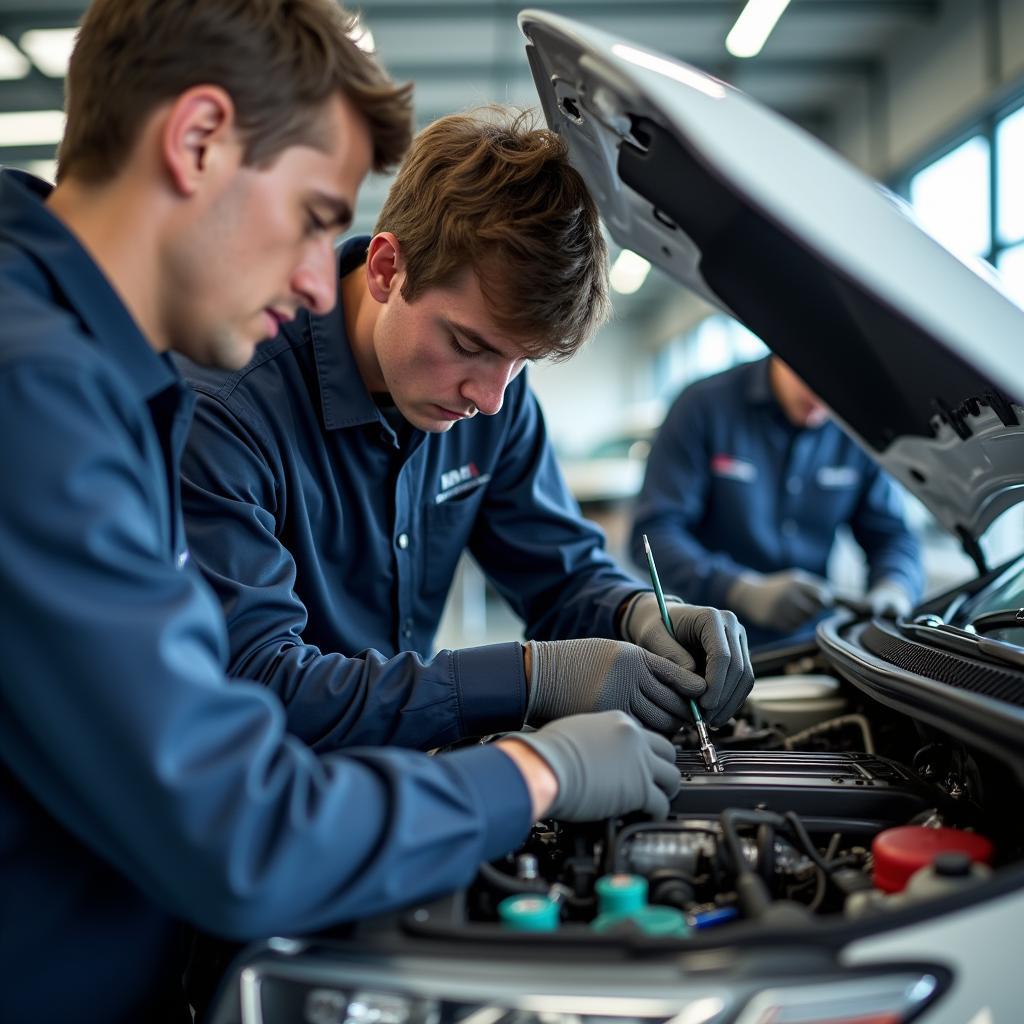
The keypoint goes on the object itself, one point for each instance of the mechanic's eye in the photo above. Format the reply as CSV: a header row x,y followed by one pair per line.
x,y
469,353
315,225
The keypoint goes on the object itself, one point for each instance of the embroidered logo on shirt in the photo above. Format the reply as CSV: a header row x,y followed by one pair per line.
x,y
833,477
459,481
733,469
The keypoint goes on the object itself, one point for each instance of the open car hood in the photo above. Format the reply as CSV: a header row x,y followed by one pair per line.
x,y
918,355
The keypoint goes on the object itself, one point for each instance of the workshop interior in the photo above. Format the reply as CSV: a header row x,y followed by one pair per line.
x,y
844,193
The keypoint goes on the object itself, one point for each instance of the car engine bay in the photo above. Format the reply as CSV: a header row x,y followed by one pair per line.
x,y
829,806
839,817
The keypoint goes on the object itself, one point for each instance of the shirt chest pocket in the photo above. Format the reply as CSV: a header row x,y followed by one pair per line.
x,y
837,488
448,526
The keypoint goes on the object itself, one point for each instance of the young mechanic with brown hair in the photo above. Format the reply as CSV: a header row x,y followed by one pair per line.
x,y
331,486
213,150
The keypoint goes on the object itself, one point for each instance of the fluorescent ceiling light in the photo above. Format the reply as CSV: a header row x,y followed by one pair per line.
x,y
50,49
754,26
669,68
32,128
13,63
628,272
363,38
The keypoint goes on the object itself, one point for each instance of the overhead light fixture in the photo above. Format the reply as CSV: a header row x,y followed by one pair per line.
x,y
363,38
13,63
628,272
754,26
50,49
31,128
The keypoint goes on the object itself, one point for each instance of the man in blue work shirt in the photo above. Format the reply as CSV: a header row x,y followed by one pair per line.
x,y
746,484
331,486
195,209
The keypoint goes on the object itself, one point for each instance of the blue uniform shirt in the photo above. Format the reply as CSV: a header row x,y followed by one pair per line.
x,y
733,485
138,787
332,544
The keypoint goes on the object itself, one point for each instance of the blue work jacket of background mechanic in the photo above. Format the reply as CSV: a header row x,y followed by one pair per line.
x,y
138,788
332,545
733,485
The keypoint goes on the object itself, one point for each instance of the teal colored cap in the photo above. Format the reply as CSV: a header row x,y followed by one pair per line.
x,y
620,894
654,921
528,913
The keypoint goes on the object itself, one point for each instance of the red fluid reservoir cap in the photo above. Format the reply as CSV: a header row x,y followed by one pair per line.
x,y
899,852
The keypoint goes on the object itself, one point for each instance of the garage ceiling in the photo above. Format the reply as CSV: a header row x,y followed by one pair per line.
x,y
462,53
465,52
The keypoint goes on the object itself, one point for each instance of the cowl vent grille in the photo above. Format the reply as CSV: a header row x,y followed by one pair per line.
x,y
944,666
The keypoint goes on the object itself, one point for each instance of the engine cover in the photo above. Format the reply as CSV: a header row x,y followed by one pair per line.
x,y
824,788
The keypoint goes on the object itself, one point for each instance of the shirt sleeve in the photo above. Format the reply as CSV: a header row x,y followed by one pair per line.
x,y
230,496
534,545
672,500
117,719
880,527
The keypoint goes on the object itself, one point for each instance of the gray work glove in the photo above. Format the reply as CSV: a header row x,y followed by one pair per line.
x,y
606,765
782,601
707,641
888,599
572,676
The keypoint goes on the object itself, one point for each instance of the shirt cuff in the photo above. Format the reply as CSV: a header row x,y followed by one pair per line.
x,y
500,794
491,683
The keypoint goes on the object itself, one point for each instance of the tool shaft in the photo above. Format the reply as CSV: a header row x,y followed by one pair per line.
x,y
707,748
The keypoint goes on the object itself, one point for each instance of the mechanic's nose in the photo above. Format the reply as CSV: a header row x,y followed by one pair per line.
x,y
487,392
315,280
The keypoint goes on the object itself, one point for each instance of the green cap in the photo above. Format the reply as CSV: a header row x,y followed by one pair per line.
x,y
649,920
528,913
620,894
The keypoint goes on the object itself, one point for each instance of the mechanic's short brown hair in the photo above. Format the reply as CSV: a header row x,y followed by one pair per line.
x,y
279,60
492,192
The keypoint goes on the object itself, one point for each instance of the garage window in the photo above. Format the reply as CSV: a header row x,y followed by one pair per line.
x,y
970,198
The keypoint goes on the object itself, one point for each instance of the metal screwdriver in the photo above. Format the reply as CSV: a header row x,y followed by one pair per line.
x,y
707,748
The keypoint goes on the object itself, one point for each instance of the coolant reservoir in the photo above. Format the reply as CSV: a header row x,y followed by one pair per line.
x,y
948,873
899,852
794,702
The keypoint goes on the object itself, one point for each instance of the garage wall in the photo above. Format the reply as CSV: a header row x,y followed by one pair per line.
x,y
583,399
933,81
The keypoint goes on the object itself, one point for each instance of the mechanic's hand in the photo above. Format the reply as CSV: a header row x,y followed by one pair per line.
x,y
704,640
888,599
572,676
606,765
783,601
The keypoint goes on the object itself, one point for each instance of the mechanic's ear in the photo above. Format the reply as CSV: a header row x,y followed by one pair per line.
x,y
384,270
198,138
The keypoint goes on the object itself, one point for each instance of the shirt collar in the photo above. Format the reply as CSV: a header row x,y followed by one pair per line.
x,y
343,395
27,223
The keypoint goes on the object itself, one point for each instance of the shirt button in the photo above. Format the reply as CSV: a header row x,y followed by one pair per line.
x,y
789,528
182,560
403,540
407,629
794,485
